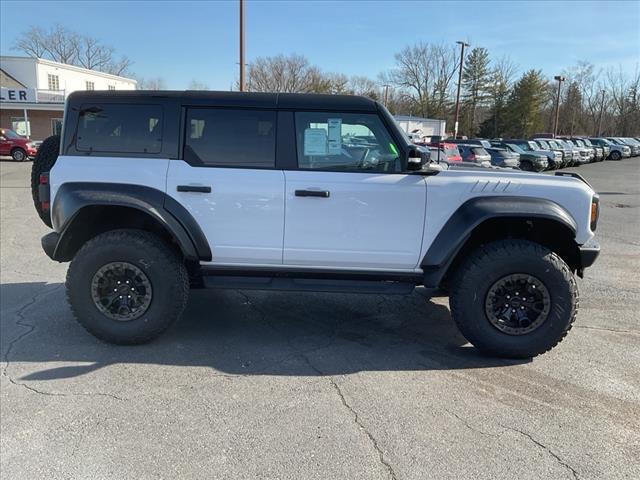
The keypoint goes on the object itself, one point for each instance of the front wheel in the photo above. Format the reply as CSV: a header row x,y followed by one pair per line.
x,y
615,155
514,299
127,286
19,155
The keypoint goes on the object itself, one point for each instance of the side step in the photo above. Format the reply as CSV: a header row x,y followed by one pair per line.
x,y
309,284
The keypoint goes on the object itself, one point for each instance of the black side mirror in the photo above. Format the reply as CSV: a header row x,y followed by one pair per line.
x,y
416,159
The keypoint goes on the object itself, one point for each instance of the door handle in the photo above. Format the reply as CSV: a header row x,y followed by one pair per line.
x,y
312,193
194,188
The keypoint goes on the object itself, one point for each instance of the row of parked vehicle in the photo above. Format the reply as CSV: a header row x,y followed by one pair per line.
x,y
535,154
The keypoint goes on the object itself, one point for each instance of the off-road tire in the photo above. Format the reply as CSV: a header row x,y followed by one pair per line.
x,y
19,155
493,261
162,266
45,159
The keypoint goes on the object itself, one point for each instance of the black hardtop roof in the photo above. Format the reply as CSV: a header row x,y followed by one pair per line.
x,y
297,101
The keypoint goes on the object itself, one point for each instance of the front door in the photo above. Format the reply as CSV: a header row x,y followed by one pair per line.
x,y
348,206
229,184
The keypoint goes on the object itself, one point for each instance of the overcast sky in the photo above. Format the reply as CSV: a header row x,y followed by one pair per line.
x,y
184,41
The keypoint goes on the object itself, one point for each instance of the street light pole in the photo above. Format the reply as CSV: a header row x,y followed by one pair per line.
x,y
455,125
601,114
386,94
241,45
560,79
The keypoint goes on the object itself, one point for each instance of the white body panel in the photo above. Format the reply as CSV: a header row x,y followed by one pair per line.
x,y
368,221
148,172
242,217
450,189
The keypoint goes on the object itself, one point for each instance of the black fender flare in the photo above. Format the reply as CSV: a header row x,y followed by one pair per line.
x,y
472,213
72,197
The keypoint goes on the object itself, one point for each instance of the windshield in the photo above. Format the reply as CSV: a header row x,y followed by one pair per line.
x,y
532,146
555,144
479,151
11,134
451,151
543,144
587,142
579,142
516,148
485,143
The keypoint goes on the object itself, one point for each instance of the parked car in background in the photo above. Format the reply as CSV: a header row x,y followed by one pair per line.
x,y
598,151
575,152
553,158
18,147
531,160
562,161
616,151
475,154
634,144
633,152
444,152
503,157
587,154
474,141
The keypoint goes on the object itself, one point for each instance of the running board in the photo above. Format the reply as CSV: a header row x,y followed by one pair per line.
x,y
308,284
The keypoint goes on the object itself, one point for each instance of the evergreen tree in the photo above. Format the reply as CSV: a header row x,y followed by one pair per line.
x,y
476,77
524,105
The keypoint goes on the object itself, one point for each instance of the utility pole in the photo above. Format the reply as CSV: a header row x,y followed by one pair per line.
x,y
560,79
242,45
601,114
455,125
386,93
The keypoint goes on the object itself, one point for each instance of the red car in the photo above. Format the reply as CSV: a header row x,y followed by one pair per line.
x,y
448,152
20,148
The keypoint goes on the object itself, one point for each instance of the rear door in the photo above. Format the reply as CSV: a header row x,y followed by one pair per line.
x,y
348,204
228,182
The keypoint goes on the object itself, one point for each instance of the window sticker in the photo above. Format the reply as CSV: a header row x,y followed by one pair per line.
x,y
315,141
335,136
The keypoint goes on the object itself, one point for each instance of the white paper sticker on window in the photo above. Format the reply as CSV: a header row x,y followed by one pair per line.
x,y
315,141
335,136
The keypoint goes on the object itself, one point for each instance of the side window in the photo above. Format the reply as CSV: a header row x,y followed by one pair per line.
x,y
118,128
224,137
350,142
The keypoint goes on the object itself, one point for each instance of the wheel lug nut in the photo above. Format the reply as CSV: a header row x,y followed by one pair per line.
x,y
521,308
513,310
508,296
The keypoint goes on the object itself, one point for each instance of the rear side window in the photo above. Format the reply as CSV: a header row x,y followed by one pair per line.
x,y
222,137
119,128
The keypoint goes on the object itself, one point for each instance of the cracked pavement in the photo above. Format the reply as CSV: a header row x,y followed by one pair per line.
x,y
283,385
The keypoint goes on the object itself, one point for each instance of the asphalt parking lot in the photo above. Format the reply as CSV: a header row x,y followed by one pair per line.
x,y
316,386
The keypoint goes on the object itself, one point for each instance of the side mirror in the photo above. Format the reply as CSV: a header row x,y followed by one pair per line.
x,y
417,158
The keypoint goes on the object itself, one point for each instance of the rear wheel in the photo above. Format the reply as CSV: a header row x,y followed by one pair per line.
x,y
514,299
19,155
127,286
44,161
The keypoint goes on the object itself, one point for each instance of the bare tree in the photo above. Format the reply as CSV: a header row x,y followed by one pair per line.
x,y
197,85
65,46
33,42
156,83
424,74
281,73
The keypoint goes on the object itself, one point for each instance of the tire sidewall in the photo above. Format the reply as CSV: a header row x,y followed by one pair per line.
x,y
479,330
165,292
19,150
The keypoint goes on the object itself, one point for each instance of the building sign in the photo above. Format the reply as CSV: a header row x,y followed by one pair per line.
x,y
17,95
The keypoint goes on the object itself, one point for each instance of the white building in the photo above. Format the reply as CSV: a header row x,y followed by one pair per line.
x,y
423,127
34,90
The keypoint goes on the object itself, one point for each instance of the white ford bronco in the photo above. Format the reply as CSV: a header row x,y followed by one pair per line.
x,y
152,193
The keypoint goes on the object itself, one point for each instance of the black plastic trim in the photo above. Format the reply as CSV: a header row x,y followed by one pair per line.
x,y
475,211
589,253
303,272
71,198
